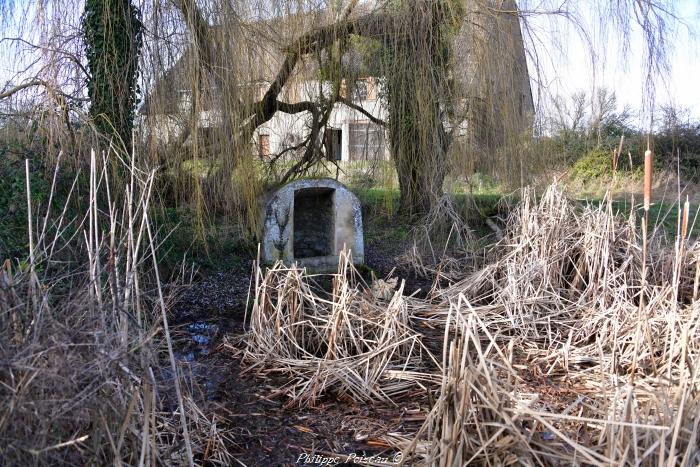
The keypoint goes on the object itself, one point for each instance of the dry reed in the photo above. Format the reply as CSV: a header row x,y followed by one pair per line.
x,y
443,244
564,291
80,328
547,356
357,343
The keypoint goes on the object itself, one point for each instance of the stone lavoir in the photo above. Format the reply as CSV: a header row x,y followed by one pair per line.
x,y
310,221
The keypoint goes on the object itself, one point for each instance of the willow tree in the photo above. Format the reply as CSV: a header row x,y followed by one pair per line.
x,y
418,52
416,37
113,37
450,68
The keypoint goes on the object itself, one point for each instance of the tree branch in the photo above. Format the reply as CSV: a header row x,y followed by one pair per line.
x,y
18,88
39,82
352,105
71,56
373,25
202,38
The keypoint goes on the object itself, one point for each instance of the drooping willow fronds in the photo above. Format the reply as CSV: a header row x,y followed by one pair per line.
x,y
237,95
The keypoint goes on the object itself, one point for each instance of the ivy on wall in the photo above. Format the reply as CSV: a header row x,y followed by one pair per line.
x,y
112,32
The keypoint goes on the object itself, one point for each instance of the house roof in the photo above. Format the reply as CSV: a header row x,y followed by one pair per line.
x,y
253,50
256,55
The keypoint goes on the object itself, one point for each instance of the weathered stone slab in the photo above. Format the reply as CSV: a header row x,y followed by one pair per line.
x,y
309,222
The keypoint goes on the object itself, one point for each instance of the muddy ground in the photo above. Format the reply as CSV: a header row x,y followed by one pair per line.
x,y
265,430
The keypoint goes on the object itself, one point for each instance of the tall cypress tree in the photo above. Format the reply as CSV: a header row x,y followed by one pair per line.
x,y
112,31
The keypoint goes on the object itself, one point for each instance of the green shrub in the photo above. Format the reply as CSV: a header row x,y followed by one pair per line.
x,y
363,179
679,148
593,165
208,244
13,202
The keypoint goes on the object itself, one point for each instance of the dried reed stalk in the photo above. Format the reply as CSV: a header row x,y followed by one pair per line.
x,y
582,275
547,357
351,342
78,335
443,244
648,174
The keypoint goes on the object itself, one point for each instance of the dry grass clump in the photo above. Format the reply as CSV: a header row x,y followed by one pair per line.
x,y
210,436
493,409
356,341
81,323
555,260
443,243
481,413
564,350
566,345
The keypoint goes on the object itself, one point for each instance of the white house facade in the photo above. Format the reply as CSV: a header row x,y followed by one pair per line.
x,y
496,97
350,135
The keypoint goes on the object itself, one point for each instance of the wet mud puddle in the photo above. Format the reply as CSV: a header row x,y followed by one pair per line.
x,y
195,344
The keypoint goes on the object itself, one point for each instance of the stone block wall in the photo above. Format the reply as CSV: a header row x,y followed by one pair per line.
x,y
309,221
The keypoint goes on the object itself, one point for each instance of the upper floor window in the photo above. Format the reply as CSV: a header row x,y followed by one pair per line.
x,y
204,100
184,98
264,146
291,92
365,89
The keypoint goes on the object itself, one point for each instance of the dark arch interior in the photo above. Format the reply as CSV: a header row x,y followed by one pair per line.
x,y
314,221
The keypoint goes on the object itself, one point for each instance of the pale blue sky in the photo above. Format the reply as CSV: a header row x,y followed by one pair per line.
x,y
569,67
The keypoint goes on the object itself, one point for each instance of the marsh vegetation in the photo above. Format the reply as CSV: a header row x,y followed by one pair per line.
x,y
531,292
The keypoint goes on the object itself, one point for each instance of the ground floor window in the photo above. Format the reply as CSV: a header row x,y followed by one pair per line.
x,y
366,141
264,145
333,143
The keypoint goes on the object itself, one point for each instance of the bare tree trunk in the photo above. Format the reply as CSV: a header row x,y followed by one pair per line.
x,y
417,84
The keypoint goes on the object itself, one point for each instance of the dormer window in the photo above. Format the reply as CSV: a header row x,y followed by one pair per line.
x,y
184,100
360,91
364,89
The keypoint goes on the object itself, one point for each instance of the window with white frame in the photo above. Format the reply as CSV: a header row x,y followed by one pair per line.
x,y
366,141
365,89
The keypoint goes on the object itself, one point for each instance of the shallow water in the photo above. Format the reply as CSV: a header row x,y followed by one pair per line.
x,y
194,350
